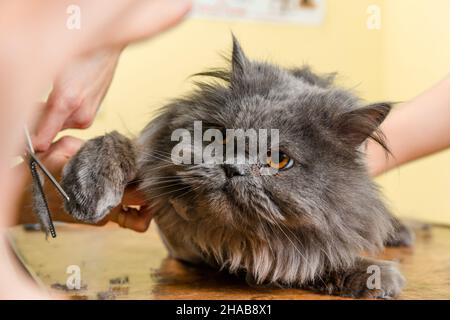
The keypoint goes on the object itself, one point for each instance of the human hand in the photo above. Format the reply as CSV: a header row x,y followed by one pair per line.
x,y
54,159
76,96
82,83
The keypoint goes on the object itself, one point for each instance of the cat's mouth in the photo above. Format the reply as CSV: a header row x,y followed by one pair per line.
x,y
239,191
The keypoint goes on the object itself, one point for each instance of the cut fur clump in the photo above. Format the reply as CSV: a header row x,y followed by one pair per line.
x,y
304,227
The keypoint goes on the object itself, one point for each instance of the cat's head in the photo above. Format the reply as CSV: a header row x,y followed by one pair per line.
x,y
321,183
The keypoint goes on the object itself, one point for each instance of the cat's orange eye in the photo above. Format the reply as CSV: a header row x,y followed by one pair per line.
x,y
279,160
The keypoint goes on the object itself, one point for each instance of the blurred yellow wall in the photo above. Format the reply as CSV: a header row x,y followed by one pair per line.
x,y
408,54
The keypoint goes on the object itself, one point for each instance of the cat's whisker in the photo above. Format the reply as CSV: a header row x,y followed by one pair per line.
x,y
152,154
265,232
136,192
292,242
170,163
299,242
159,165
170,192
184,194
162,153
167,182
167,186
158,156
156,180
168,160
197,194
156,176
191,190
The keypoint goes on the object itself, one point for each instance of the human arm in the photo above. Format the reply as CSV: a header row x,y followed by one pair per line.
x,y
415,129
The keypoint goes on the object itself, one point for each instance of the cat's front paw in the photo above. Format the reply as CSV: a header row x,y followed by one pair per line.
x,y
368,278
390,284
95,178
379,280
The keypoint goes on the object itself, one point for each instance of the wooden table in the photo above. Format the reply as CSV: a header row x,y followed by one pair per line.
x,y
121,264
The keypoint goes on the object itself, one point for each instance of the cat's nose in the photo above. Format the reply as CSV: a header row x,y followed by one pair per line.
x,y
232,170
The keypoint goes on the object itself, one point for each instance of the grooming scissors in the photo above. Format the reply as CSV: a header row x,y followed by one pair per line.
x,y
42,208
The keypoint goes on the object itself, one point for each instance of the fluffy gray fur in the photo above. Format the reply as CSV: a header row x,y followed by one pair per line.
x,y
304,227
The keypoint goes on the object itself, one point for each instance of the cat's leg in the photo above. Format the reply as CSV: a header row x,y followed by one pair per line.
x,y
95,178
402,235
368,278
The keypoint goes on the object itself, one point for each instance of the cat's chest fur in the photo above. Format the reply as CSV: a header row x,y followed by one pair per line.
x,y
266,255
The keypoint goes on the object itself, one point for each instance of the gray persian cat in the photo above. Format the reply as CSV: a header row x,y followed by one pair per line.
x,y
307,226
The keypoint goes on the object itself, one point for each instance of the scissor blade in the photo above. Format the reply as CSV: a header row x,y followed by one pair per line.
x,y
40,203
28,139
50,176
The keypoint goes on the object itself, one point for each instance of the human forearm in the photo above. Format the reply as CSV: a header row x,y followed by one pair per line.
x,y
414,130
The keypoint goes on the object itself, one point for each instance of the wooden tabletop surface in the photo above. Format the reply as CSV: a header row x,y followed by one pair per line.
x,y
120,264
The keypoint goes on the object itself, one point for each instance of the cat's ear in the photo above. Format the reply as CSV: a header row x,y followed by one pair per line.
x,y
239,61
355,126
